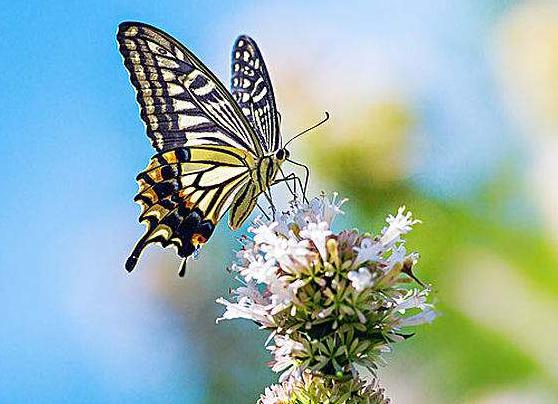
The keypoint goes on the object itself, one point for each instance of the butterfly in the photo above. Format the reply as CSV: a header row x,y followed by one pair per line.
x,y
216,151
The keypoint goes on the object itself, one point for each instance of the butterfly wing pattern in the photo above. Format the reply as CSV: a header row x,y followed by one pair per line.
x,y
207,149
251,88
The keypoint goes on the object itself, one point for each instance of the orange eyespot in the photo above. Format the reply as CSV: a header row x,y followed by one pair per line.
x,y
198,239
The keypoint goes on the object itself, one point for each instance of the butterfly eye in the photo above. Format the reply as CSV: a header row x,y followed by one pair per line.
x,y
280,154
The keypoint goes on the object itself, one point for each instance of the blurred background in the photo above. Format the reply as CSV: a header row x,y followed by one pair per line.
x,y
450,108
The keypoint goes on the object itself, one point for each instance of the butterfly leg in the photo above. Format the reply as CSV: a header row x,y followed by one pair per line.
x,y
306,177
270,201
286,179
295,180
263,211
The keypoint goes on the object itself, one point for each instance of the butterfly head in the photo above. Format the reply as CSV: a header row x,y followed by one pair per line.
x,y
282,154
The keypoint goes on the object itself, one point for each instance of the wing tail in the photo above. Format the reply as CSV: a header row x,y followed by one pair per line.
x,y
132,260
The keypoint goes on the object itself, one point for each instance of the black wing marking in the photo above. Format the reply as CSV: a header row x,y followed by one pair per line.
x,y
251,88
182,103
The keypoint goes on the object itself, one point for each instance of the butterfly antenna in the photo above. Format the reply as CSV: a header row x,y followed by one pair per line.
x,y
309,129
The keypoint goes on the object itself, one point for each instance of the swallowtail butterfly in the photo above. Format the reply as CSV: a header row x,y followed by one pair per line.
x,y
216,151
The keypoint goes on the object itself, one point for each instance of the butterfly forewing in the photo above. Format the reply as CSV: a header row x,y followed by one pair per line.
x,y
181,101
252,90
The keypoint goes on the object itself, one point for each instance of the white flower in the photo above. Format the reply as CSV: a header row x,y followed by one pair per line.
x,y
283,224
264,233
424,317
330,209
397,256
360,279
243,256
297,253
291,291
412,299
368,251
317,232
259,269
282,293
251,291
320,209
283,351
287,252
276,394
398,225
246,308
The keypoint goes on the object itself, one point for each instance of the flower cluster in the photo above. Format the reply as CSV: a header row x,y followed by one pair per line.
x,y
310,388
334,302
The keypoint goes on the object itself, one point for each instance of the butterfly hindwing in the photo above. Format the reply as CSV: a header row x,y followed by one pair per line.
x,y
251,88
184,192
